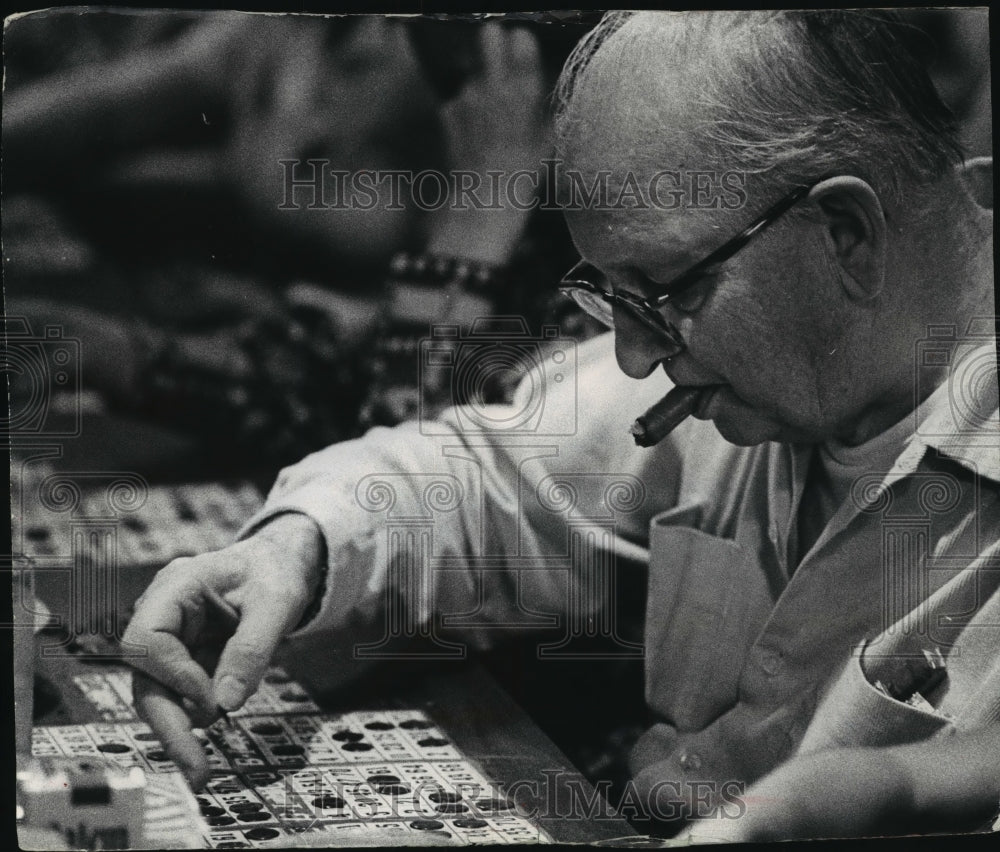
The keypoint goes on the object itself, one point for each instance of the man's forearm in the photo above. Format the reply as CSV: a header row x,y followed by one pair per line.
x,y
946,784
300,537
299,534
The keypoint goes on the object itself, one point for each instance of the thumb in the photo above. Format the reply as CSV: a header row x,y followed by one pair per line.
x,y
265,621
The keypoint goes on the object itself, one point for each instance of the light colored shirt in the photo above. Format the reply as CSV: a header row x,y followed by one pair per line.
x,y
836,466
451,536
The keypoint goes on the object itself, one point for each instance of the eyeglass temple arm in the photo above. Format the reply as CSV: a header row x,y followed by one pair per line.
x,y
723,253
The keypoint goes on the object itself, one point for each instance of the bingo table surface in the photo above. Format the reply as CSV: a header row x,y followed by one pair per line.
x,y
448,759
416,752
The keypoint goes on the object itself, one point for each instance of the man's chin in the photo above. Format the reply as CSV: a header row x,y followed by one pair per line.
x,y
748,434
739,423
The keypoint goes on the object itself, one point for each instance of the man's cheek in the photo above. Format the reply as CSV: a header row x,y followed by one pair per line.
x,y
734,327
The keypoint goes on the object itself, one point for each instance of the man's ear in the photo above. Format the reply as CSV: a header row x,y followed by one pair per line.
x,y
855,233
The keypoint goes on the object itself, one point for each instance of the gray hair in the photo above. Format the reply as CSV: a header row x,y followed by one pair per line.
x,y
798,95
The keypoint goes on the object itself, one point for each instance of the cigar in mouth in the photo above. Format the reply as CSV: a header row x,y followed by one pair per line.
x,y
666,416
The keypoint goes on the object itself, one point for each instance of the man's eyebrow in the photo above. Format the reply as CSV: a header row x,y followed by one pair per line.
x,y
662,271
687,277
632,269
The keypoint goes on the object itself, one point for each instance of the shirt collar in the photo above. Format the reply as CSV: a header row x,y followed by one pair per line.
x,y
962,417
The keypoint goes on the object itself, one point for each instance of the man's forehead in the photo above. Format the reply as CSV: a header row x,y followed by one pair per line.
x,y
650,240
637,112
636,104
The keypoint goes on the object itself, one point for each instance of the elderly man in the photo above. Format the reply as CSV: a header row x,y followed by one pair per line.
x,y
823,618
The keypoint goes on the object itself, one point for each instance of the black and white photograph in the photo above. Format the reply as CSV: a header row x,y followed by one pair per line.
x,y
489,428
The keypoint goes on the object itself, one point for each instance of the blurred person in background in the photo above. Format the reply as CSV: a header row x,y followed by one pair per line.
x,y
144,158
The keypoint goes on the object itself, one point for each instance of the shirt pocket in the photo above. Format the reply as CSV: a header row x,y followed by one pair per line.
x,y
855,713
708,600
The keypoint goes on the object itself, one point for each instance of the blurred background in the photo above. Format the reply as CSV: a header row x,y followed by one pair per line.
x,y
165,317
141,193
219,333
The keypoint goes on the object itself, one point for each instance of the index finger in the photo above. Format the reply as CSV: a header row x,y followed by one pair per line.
x,y
161,709
157,627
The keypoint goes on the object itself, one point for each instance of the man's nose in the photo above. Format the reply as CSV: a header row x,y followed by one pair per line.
x,y
638,349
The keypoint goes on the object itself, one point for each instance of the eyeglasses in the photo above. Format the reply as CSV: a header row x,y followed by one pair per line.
x,y
586,285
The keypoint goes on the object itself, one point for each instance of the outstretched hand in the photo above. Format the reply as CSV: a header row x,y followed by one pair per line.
x,y
498,122
211,624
